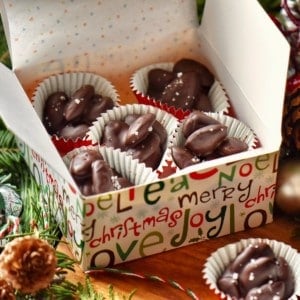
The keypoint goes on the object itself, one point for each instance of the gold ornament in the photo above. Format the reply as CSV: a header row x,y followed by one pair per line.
x,y
287,196
28,264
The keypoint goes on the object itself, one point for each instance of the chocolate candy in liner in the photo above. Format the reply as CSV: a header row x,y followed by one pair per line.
x,y
156,127
130,118
252,251
86,187
202,102
196,120
265,269
254,269
73,131
93,174
285,274
229,285
139,129
157,80
98,105
231,145
102,175
269,291
120,182
189,65
183,157
205,140
53,113
80,165
114,134
140,135
256,273
78,102
148,151
162,133
183,91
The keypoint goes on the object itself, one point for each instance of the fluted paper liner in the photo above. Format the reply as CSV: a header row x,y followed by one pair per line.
x,y
219,260
235,128
139,85
130,168
168,121
69,83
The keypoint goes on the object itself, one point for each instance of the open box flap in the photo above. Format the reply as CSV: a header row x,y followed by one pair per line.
x,y
40,32
255,54
20,117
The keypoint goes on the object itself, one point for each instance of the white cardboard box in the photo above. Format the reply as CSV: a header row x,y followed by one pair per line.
x,y
236,40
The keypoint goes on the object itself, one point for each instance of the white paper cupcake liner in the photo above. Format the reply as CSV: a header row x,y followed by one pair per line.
x,y
168,121
69,83
139,85
220,259
235,128
129,168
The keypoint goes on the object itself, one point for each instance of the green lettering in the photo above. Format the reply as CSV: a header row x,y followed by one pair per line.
x,y
180,185
262,162
152,239
123,255
221,216
176,240
104,202
229,177
154,188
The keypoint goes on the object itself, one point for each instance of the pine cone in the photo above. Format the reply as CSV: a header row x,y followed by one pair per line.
x,y
291,124
28,264
6,291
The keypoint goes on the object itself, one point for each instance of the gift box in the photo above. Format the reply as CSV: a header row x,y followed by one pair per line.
x,y
236,40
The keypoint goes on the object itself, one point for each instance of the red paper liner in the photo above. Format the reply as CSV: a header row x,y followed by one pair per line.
x,y
64,146
69,83
139,84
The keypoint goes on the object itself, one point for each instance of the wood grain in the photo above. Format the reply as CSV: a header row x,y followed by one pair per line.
x,y
183,265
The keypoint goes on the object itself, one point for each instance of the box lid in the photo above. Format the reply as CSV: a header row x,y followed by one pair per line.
x,y
255,56
110,38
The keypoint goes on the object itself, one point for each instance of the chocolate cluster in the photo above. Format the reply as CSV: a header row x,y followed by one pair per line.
x,y
205,138
257,274
93,174
70,117
140,135
186,87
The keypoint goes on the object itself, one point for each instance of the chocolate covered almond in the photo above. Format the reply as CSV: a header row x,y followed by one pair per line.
x,y
139,129
101,177
114,134
189,65
183,157
157,80
204,140
232,145
73,131
148,151
53,114
182,92
78,102
196,120
98,105
80,165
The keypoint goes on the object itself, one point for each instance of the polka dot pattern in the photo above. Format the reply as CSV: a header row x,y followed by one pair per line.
x,y
111,38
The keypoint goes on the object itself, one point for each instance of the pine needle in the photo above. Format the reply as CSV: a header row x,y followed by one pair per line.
x,y
38,219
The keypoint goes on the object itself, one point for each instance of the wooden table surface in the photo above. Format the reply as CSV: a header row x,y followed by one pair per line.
x,y
183,265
